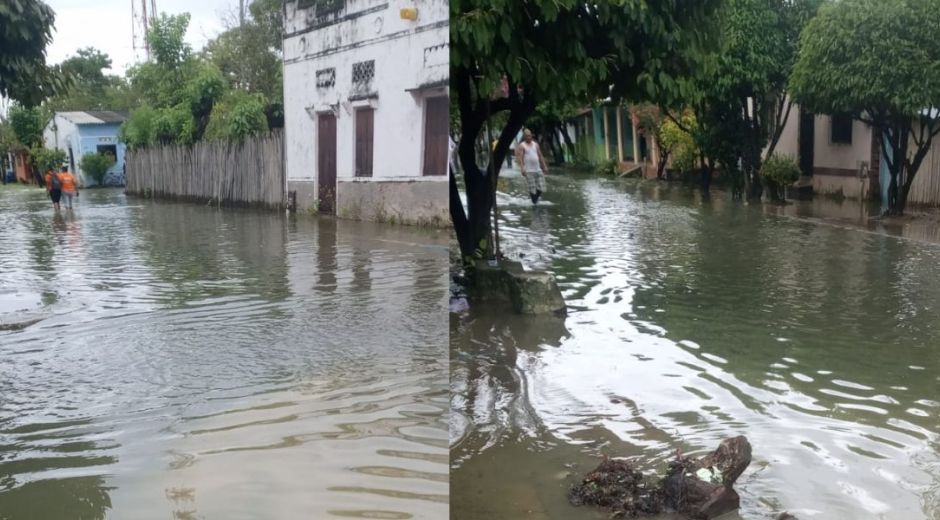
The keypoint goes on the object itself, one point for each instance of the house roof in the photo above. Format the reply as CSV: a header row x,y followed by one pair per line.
x,y
93,117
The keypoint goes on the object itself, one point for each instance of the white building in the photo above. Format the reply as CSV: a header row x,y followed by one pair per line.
x,y
366,108
81,133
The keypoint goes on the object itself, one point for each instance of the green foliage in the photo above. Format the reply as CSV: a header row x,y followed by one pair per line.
x,y
90,88
25,31
239,115
570,51
680,142
781,170
27,124
876,56
96,165
138,130
268,15
758,46
173,125
203,90
610,168
166,37
231,90
45,159
876,60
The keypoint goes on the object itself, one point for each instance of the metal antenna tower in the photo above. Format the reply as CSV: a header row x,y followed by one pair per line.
x,y
142,11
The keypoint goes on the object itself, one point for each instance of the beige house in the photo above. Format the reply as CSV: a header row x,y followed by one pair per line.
x,y
844,157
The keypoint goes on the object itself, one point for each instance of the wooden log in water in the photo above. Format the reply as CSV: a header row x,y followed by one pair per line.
x,y
698,488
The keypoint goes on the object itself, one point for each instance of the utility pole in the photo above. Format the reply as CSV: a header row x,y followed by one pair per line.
x,y
241,13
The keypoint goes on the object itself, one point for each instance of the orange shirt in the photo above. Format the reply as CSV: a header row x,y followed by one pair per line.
x,y
68,181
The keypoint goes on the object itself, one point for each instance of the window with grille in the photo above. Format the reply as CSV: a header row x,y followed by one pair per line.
x,y
841,129
364,139
436,123
326,78
362,74
322,7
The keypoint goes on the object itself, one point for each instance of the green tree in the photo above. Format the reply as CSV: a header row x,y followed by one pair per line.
x,y
27,124
96,165
680,142
237,116
176,91
166,38
90,87
740,96
510,56
25,31
45,159
249,56
877,60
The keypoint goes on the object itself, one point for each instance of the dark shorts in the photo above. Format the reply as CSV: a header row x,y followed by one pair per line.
x,y
55,195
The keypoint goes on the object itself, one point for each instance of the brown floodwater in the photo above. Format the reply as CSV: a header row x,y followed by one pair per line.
x,y
810,329
190,362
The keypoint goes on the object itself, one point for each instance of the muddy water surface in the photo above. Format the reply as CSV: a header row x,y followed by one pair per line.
x,y
691,321
191,362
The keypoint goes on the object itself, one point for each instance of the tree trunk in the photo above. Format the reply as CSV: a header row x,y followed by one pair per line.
x,y
568,142
473,225
708,169
663,159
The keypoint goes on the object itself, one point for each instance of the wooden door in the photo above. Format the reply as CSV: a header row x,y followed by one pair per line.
x,y
436,123
364,138
807,140
326,164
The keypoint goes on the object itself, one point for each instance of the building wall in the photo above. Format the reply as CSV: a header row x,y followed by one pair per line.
x,y
411,65
837,156
82,139
789,142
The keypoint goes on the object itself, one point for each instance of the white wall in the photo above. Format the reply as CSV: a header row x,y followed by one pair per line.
x,y
64,137
836,155
407,54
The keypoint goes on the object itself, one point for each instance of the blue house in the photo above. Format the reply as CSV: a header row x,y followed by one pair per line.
x,y
80,133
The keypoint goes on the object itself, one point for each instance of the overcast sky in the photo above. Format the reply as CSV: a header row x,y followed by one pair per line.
x,y
106,25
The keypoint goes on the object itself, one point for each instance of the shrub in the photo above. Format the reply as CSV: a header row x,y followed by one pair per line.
x,y
779,171
610,167
680,143
137,131
237,116
45,159
96,165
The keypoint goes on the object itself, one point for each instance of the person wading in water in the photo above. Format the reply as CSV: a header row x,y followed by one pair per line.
x,y
54,188
69,186
532,165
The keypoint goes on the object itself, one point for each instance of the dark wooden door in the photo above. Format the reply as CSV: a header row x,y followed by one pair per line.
x,y
436,122
326,164
364,139
807,141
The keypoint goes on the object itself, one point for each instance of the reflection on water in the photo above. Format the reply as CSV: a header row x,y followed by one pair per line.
x,y
693,320
196,363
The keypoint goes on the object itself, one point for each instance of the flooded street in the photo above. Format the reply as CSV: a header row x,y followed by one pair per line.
x,y
691,321
190,362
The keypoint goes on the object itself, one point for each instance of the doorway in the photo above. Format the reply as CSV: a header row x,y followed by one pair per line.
x,y
326,164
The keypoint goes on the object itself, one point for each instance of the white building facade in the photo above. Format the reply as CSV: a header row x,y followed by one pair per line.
x,y
81,133
366,108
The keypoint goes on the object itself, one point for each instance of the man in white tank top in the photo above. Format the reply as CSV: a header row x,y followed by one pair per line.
x,y
532,165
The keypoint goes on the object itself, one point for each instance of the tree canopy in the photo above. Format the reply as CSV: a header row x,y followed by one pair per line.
x,y
878,61
739,95
25,31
